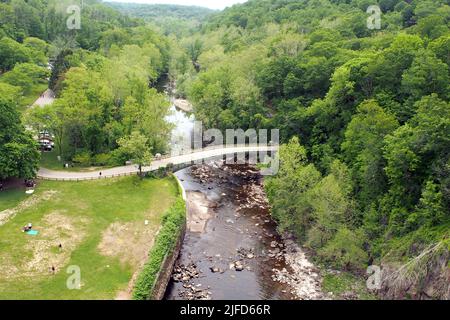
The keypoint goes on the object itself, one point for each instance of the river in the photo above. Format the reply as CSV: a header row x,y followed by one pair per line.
x,y
232,249
237,227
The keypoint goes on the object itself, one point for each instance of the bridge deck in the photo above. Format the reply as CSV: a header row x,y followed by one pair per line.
x,y
206,153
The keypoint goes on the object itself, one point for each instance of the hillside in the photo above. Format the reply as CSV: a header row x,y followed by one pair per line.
x,y
364,116
358,89
150,12
100,73
172,19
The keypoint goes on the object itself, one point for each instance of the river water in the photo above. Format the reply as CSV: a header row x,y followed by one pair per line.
x,y
237,227
234,226
232,249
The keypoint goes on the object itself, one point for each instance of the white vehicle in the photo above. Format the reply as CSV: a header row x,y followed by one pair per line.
x,y
46,144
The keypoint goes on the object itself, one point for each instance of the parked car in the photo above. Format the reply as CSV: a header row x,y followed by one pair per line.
x,y
46,144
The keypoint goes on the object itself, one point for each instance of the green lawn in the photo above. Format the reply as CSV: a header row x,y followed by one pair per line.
x,y
101,226
11,197
49,160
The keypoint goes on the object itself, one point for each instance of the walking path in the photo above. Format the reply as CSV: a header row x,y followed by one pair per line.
x,y
205,153
45,99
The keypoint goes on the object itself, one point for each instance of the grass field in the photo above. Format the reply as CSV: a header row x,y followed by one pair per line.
x,y
101,227
11,198
49,160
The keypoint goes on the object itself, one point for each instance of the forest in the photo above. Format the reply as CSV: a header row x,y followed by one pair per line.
x,y
168,18
106,110
363,113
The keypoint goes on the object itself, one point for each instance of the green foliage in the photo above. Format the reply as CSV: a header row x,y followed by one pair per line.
x,y
363,150
19,155
430,211
102,159
117,102
415,154
136,148
82,158
26,76
164,245
345,250
96,71
294,177
369,106
318,210
171,19
9,92
11,53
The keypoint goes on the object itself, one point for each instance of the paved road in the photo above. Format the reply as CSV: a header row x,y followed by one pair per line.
x,y
45,99
205,153
48,97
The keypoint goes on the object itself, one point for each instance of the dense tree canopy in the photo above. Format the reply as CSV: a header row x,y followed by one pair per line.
x,y
363,113
101,73
19,156
368,110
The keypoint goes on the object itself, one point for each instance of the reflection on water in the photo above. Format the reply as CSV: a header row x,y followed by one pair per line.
x,y
183,127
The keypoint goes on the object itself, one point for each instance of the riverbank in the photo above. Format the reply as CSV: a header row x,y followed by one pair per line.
x,y
231,249
153,278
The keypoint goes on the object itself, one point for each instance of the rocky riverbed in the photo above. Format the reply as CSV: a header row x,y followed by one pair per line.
x,y
232,249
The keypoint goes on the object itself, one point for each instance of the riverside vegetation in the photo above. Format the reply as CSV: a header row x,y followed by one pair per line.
x,y
365,118
363,113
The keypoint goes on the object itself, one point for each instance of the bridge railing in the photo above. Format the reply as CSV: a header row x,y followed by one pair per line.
x,y
165,157
216,147
103,176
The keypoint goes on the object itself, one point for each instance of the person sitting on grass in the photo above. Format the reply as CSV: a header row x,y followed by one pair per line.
x,y
28,227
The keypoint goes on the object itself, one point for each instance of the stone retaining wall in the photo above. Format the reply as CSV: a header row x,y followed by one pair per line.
x,y
163,279
165,273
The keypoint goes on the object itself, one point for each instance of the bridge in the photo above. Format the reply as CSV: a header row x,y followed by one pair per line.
x,y
188,158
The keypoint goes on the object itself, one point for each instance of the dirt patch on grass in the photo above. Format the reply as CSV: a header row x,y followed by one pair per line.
x,y
131,243
34,200
44,251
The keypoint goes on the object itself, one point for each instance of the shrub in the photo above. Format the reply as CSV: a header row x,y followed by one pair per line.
x,y
118,158
101,159
158,174
83,158
165,243
345,250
